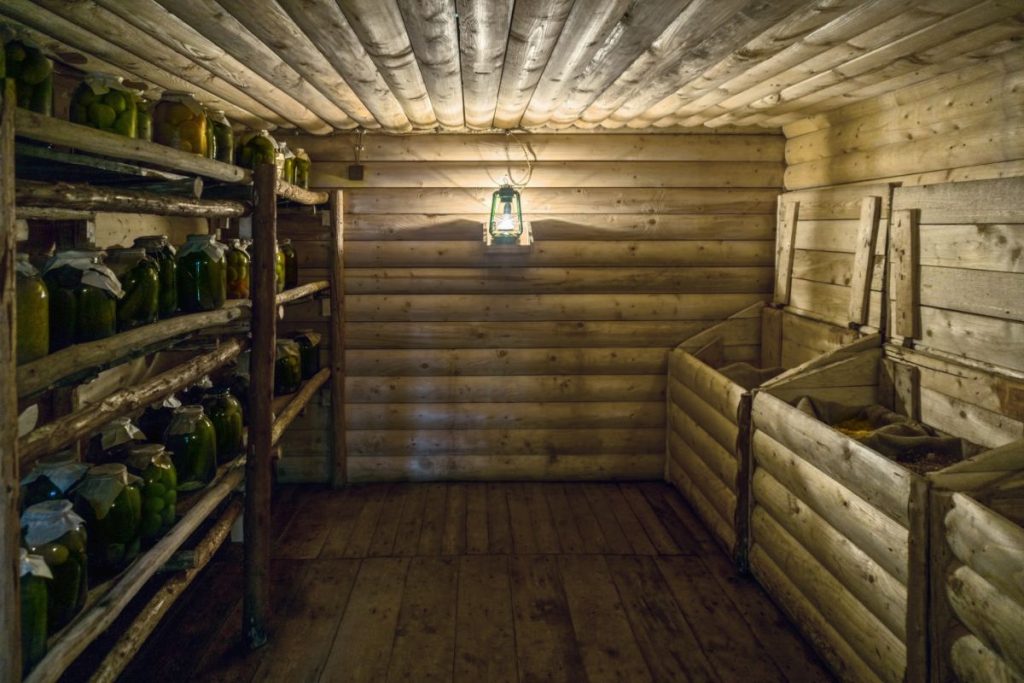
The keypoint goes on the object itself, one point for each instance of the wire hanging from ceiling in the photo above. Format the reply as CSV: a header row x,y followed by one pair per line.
x,y
528,155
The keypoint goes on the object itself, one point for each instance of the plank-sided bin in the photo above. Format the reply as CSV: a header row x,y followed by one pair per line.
x,y
977,549
820,308
838,532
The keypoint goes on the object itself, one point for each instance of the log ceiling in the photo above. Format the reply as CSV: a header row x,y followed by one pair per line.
x,y
424,65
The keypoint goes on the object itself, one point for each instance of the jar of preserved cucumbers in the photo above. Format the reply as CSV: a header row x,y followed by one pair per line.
x,y
288,163
224,137
225,412
287,367
33,577
32,73
159,248
152,463
211,140
140,280
179,121
53,531
303,168
291,264
192,442
309,351
202,274
155,419
114,440
257,148
143,118
102,101
32,306
238,268
51,478
109,501
83,298
280,268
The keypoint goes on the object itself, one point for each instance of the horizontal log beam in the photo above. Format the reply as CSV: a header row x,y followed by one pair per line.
x,y
92,198
296,404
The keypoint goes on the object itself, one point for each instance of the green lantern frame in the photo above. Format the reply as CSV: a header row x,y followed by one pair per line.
x,y
506,227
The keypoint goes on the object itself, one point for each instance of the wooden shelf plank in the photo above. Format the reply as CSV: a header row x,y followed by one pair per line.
x,y
91,623
302,291
115,200
54,131
57,434
298,194
287,408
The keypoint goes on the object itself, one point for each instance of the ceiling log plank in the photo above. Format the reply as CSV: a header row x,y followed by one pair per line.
x,y
483,32
434,35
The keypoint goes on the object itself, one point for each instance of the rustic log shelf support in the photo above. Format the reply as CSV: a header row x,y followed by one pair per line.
x,y
91,198
293,404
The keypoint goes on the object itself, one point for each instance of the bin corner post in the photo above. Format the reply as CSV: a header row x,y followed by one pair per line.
x,y
339,454
10,620
256,606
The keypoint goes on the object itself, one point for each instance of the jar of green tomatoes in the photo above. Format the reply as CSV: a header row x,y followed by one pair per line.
x,y
143,117
109,501
202,274
33,577
287,367
159,248
309,351
223,137
288,163
32,73
280,268
303,168
152,463
140,280
102,101
238,268
52,530
192,442
32,306
225,412
179,121
291,264
51,478
257,148
83,298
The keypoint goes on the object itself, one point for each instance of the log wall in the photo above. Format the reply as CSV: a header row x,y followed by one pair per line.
x,y
467,364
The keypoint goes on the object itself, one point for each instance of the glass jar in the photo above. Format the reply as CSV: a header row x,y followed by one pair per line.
x,y
287,164
159,248
180,122
32,73
109,501
291,264
257,148
287,367
192,442
238,266
33,577
157,417
225,412
51,478
114,440
32,312
211,140
202,274
101,101
303,168
83,298
280,268
309,351
143,118
140,279
53,530
152,463
224,138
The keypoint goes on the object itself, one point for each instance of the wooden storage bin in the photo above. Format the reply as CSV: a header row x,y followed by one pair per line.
x,y
838,532
977,550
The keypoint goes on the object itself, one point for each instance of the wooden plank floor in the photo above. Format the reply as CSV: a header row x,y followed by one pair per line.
x,y
484,582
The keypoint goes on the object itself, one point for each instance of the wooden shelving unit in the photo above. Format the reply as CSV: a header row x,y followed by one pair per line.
x,y
174,188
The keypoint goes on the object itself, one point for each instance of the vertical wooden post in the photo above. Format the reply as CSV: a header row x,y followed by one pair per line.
x,y
256,609
339,455
784,242
905,288
10,608
864,260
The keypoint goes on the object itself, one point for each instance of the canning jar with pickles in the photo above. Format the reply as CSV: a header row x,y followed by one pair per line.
x,y
211,140
152,463
51,478
159,248
109,501
179,121
238,268
83,298
154,420
309,351
32,73
202,274
303,168
53,531
102,101
143,118
223,136
225,412
280,268
291,264
114,440
257,148
287,367
32,307
192,442
288,163
33,577
140,280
